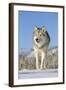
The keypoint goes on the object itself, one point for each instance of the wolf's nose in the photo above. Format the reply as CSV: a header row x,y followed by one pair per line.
x,y
37,39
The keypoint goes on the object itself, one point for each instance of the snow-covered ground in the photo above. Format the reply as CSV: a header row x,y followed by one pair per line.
x,y
26,74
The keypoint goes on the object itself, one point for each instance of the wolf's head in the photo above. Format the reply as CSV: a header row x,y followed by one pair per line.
x,y
41,37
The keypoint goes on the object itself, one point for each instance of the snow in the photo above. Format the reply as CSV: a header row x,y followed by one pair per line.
x,y
26,74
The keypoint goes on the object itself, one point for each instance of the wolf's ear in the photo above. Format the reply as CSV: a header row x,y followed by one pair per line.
x,y
35,29
43,29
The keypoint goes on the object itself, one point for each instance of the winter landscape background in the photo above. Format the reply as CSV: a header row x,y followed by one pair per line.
x,y
27,59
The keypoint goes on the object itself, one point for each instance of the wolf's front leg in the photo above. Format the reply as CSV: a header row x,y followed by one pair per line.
x,y
42,59
37,64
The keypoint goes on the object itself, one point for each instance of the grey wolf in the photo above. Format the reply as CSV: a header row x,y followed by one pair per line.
x,y
41,40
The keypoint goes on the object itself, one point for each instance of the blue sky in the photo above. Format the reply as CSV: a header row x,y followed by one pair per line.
x,y
28,20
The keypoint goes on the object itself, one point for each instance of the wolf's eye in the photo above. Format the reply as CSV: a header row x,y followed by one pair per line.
x,y
43,34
